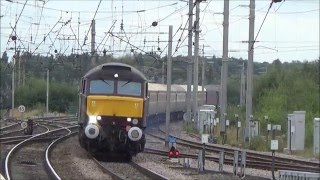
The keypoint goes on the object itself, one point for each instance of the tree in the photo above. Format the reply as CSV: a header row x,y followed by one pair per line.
x,y
4,57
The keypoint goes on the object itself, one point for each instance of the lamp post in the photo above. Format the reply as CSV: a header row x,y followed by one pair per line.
x,y
14,38
47,94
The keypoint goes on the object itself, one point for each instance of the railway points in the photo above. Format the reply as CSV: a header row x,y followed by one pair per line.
x,y
125,84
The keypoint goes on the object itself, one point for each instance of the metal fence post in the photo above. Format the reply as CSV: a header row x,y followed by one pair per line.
x,y
243,163
235,162
221,161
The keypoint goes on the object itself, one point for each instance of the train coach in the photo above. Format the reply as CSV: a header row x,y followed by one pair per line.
x,y
178,104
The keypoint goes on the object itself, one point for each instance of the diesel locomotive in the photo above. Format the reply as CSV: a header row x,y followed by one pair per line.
x,y
112,109
116,105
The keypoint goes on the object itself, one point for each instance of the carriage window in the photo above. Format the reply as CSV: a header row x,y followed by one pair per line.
x,y
101,87
129,88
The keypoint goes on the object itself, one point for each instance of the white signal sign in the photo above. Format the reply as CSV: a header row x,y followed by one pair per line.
x,y
21,108
24,125
239,124
204,138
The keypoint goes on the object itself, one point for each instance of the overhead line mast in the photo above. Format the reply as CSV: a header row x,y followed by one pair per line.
x,y
250,70
189,68
224,70
196,63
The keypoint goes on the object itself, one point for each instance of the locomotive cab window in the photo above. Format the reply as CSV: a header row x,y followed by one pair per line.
x,y
129,88
83,86
101,86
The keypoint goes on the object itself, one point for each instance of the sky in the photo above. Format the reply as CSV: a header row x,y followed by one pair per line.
x,y
290,31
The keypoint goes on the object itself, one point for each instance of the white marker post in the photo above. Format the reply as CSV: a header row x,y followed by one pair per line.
x,y
22,109
201,158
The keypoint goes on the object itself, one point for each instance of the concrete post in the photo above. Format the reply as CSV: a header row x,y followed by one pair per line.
x,y
250,70
224,68
169,69
189,68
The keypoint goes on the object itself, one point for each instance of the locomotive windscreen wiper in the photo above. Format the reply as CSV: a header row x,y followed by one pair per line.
x,y
126,83
104,81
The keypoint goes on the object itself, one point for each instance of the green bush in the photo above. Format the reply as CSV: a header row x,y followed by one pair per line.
x,y
189,127
33,95
257,143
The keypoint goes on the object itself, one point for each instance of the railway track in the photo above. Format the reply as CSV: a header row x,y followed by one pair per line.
x,y
254,159
20,137
2,129
229,161
5,130
264,157
49,149
39,147
132,171
26,158
37,128
17,135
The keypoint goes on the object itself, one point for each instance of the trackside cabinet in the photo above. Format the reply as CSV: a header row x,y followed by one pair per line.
x,y
296,130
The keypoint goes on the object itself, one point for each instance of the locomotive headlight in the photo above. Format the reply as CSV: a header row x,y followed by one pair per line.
x,y
135,121
92,119
98,118
129,119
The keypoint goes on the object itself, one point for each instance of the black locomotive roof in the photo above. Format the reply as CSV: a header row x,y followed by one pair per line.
x,y
108,70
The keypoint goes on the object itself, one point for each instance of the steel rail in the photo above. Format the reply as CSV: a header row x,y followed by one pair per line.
x,y
105,170
19,145
18,136
9,126
148,172
260,155
49,149
255,155
250,163
264,161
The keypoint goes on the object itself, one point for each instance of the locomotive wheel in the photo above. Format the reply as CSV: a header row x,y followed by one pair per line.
x,y
128,157
143,140
82,138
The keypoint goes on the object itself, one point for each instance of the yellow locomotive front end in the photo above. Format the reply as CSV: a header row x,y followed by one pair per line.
x,y
112,110
116,106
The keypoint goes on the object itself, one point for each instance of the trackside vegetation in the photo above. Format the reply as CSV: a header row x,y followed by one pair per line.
x,y
279,88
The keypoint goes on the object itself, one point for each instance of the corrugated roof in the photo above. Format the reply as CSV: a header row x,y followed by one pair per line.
x,y
213,87
174,87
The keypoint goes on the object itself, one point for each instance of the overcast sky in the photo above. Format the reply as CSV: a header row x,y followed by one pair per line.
x,y
290,32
